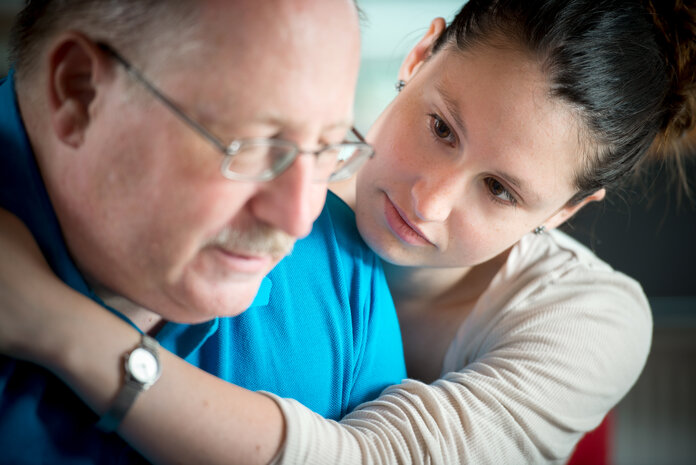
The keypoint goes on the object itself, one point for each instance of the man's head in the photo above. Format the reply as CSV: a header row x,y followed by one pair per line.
x,y
139,195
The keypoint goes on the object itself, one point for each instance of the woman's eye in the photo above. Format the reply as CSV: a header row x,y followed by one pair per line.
x,y
499,192
440,129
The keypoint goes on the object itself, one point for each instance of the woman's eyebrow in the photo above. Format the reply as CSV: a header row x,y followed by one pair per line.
x,y
452,107
517,184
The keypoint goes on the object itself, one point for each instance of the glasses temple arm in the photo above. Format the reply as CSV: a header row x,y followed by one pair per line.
x,y
358,135
162,98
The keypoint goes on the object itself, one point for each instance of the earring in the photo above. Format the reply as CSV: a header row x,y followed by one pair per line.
x,y
539,230
400,84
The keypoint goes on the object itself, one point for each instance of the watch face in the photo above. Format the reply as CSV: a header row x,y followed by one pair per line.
x,y
142,366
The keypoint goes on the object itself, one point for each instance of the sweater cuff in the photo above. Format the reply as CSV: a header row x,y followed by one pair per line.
x,y
312,439
295,414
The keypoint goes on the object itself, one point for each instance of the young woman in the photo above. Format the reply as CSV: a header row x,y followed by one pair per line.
x,y
509,120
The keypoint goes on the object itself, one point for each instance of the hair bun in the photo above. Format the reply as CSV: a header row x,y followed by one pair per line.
x,y
675,21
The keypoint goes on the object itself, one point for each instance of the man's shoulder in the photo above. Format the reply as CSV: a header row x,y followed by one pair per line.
x,y
342,215
333,254
336,228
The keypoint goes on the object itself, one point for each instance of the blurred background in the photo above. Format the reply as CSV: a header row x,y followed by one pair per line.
x,y
390,28
639,230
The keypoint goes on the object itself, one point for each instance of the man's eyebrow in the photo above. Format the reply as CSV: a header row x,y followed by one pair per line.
x,y
343,124
278,121
452,107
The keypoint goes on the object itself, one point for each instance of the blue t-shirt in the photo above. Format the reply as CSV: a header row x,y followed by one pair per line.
x,y
322,328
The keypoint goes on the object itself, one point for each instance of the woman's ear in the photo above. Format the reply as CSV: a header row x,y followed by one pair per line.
x,y
75,69
422,50
562,215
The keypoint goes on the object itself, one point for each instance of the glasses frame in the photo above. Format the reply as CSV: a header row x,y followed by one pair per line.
x,y
236,145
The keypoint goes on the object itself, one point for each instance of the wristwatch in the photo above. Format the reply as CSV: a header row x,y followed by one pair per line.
x,y
143,368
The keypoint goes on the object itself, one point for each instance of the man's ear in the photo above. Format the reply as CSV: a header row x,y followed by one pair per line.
x,y
566,212
75,68
422,50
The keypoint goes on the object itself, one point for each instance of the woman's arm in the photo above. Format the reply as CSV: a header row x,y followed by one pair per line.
x,y
540,377
188,416
534,373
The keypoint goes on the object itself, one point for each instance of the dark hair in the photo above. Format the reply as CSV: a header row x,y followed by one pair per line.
x,y
131,25
626,67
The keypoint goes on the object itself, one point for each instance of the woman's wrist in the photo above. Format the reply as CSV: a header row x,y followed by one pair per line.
x,y
87,351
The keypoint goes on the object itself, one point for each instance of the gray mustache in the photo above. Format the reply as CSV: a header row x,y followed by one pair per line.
x,y
259,239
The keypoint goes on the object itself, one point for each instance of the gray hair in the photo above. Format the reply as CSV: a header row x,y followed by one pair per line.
x,y
134,27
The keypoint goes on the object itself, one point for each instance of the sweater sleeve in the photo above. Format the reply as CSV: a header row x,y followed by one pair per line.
x,y
539,376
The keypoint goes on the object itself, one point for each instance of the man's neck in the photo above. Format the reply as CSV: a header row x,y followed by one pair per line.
x,y
147,320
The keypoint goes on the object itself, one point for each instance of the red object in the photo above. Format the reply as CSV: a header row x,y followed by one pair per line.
x,y
595,447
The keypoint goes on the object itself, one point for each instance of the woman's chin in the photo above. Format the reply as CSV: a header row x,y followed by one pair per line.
x,y
391,251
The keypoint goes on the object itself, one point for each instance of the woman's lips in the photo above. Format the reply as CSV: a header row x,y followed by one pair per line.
x,y
400,225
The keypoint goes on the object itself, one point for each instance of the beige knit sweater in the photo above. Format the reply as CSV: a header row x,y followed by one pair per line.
x,y
554,343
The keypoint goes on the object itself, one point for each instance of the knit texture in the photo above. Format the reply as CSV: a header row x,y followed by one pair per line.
x,y
553,344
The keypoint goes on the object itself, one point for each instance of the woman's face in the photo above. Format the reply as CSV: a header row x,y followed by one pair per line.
x,y
470,156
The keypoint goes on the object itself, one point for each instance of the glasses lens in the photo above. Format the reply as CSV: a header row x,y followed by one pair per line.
x,y
264,159
342,161
257,159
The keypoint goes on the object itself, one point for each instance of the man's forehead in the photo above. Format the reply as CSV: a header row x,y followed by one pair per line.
x,y
279,17
246,33
276,77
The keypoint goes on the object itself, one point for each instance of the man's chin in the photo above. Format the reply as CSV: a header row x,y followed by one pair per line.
x,y
206,301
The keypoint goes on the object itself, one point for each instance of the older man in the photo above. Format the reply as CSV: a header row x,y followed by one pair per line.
x,y
166,155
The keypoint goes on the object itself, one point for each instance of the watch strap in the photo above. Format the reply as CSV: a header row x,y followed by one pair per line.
x,y
124,399
129,391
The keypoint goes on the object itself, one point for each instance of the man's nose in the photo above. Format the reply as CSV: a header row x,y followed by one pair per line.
x,y
292,201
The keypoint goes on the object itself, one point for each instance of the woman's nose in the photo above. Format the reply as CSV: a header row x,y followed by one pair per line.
x,y
434,197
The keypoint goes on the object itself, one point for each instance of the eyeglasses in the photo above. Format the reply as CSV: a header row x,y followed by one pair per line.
x,y
262,159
